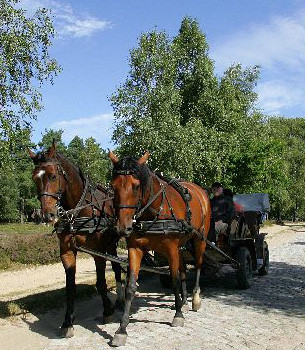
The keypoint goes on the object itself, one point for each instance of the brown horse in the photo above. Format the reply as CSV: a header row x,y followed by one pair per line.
x,y
141,194
60,184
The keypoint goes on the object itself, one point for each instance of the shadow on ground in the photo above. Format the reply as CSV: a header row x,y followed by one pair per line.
x,y
282,290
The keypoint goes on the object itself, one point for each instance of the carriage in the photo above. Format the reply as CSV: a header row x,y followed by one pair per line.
x,y
239,247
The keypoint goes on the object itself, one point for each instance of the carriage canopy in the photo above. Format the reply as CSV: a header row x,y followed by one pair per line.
x,y
253,202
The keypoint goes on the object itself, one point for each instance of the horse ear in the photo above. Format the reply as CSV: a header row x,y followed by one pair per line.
x,y
113,157
52,150
31,153
144,158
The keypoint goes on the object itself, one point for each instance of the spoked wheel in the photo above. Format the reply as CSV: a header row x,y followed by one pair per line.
x,y
244,272
265,268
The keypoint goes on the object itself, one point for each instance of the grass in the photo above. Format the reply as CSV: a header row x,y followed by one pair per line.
x,y
26,228
269,223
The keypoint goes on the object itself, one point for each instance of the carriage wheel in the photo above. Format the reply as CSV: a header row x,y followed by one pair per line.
x,y
265,268
244,272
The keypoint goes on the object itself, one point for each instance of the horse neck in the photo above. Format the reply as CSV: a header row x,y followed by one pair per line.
x,y
74,184
167,198
153,188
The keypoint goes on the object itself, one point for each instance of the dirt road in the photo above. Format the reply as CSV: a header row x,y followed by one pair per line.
x,y
270,315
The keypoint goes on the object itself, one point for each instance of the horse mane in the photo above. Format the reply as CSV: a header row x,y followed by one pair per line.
x,y
140,171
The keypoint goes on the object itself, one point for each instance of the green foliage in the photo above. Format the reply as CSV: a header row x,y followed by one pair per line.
x,y
204,128
173,105
290,133
94,161
24,62
9,196
49,136
75,150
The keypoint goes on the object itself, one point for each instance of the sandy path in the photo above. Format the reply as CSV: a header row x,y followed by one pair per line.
x,y
15,284
270,315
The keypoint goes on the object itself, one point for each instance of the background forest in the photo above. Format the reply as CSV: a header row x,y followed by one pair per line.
x,y
196,124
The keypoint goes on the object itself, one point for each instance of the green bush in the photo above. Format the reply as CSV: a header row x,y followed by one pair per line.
x,y
34,249
25,244
5,261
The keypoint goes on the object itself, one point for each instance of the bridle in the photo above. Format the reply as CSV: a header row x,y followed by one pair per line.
x,y
128,206
57,195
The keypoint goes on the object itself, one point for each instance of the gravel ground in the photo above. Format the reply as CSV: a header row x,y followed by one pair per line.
x,y
269,315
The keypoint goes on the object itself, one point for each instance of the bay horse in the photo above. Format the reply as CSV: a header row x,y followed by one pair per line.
x,y
60,184
141,194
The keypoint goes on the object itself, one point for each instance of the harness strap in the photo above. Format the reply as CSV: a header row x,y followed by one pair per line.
x,y
153,199
55,195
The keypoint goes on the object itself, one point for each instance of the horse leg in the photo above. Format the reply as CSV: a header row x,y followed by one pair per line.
x,y
68,259
120,297
199,250
174,262
182,268
101,286
116,267
135,257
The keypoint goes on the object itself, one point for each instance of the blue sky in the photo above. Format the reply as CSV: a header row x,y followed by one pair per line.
x,y
95,36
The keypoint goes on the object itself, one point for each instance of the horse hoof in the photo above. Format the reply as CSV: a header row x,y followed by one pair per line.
x,y
196,302
119,339
178,322
66,332
185,308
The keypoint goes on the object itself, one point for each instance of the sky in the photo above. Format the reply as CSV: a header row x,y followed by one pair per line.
x,y
94,38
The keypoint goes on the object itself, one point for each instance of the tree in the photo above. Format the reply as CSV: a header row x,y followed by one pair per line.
x,y
17,190
95,162
75,150
49,136
24,62
290,133
173,105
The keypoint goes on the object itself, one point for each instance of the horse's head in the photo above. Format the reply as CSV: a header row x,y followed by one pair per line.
x,y
129,180
49,178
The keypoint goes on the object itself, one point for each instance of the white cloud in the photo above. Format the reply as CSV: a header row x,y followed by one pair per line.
x,y
98,127
281,41
275,95
278,46
67,21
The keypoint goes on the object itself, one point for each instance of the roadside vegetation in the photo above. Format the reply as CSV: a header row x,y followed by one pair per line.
x,y
27,244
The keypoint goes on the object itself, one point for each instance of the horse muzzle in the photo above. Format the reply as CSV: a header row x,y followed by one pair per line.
x,y
124,232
